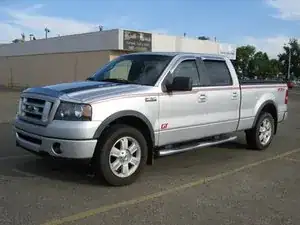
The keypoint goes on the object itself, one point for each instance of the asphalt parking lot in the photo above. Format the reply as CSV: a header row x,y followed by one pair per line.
x,y
227,184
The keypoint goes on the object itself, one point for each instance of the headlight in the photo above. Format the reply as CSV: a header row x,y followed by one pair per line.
x,y
73,112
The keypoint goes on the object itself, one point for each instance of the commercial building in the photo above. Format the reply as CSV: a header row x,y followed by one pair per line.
x,y
75,57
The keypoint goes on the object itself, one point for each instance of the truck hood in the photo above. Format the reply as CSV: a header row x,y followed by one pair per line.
x,y
87,91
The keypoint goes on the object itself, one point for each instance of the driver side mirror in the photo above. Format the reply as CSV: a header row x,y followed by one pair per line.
x,y
180,84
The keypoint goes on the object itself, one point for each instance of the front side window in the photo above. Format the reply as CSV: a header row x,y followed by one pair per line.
x,y
136,69
187,68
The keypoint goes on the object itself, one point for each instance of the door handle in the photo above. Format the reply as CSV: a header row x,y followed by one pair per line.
x,y
202,98
234,95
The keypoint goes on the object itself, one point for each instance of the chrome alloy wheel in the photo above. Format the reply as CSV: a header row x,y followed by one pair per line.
x,y
125,157
265,131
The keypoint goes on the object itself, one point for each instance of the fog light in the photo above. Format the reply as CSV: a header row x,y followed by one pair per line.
x,y
56,148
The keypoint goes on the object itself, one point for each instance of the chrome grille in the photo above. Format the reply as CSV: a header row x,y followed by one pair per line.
x,y
34,109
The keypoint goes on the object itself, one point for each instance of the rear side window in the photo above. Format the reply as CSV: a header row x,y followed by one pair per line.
x,y
218,73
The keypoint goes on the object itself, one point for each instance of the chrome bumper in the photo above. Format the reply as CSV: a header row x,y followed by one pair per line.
x,y
71,130
73,149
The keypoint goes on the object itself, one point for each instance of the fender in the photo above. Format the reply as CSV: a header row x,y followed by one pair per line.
x,y
260,109
121,114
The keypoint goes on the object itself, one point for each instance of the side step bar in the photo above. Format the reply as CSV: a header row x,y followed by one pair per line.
x,y
185,148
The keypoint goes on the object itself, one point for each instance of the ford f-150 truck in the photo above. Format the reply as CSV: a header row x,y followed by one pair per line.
x,y
143,105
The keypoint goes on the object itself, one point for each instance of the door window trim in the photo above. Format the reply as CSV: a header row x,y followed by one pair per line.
x,y
176,64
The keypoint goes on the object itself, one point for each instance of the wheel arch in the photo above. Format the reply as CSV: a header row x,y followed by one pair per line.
x,y
134,119
270,107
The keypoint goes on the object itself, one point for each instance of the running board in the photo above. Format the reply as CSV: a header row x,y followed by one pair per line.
x,y
165,152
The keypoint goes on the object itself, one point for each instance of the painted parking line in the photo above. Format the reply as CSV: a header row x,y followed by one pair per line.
x,y
24,173
5,121
106,208
14,157
292,159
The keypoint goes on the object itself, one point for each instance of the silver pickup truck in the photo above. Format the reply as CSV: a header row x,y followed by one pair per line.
x,y
144,105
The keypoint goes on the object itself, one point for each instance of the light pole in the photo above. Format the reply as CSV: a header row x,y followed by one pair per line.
x,y
289,64
46,32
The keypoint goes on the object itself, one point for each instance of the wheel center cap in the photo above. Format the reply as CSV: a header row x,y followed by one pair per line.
x,y
123,153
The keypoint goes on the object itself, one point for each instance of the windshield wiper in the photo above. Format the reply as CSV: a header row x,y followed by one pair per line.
x,y
91,79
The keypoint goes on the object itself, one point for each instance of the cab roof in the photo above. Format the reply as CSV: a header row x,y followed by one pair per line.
x,y
173,54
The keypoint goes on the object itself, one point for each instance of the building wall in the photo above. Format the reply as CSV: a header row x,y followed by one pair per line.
x,y
75,57
183,44
94,41
161,43
114,54
113,40
36,70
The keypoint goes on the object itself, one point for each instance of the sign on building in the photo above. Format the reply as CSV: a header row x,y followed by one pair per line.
x,y
137,41
228,51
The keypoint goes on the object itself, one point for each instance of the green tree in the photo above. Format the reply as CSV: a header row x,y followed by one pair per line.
x,y
259,65
292,48
244,55
274,67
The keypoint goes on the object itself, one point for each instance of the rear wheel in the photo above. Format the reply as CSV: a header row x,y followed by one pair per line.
x,y
261,135
122,156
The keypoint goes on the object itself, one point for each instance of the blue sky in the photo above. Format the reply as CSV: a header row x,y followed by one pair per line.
x,y
266,24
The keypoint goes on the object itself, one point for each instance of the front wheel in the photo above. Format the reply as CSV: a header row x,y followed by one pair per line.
x,y
122,156
260,136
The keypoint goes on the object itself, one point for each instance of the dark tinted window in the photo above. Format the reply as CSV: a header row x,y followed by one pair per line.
x,y
188,68
218,73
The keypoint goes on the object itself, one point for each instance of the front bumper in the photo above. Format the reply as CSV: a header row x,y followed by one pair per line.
x,y
73,130
65,139
63,148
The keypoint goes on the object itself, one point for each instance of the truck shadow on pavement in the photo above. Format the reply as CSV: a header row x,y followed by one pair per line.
x,y
78,172
64,170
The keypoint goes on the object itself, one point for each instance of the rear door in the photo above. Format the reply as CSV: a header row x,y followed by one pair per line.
x,y
222,95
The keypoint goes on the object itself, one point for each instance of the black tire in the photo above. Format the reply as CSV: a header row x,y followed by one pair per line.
x,y
102,158
252,135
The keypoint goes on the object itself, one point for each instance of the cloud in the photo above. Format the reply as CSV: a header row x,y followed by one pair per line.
x,y
8,32
286,9
271,45
29,20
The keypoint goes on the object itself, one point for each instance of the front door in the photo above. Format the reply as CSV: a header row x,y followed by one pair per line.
x,y
180,112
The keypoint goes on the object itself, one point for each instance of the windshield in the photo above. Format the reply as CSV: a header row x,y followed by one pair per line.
x,y
133,69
